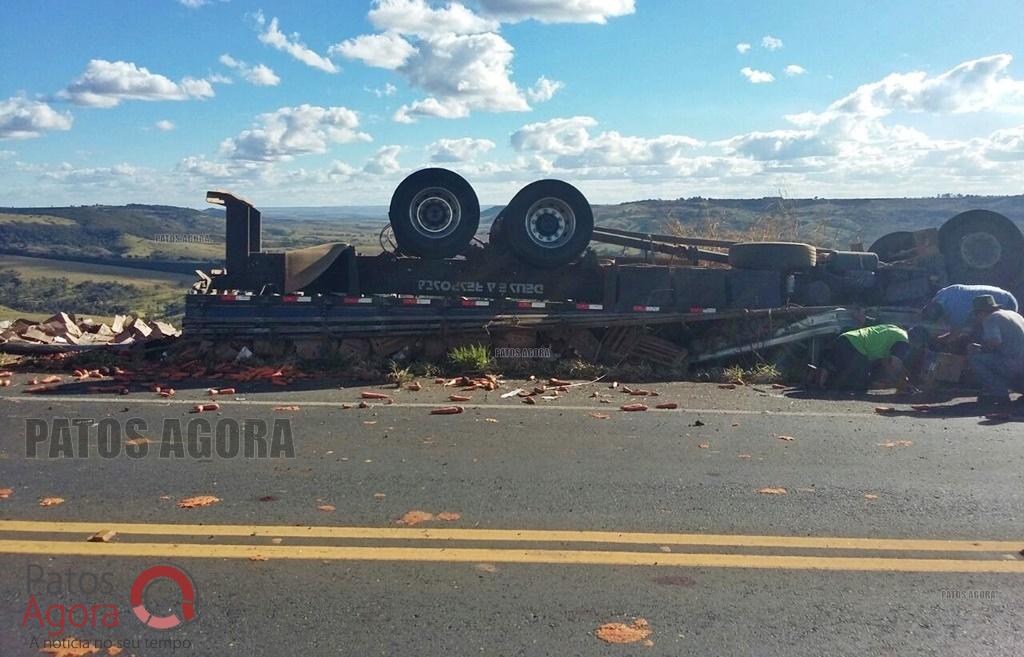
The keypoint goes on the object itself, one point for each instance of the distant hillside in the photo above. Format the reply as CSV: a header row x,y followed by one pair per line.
x,y
158,232
835,222
126,231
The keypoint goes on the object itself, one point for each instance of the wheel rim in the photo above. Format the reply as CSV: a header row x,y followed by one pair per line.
x,y
550,223
435,213
980,250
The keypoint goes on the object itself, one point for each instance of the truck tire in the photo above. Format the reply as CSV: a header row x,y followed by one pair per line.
x,y
980,246
773,256
434,213
890,247
547,224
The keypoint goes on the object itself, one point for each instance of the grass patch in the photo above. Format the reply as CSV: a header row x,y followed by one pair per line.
x,y
759,373
470,358
400,375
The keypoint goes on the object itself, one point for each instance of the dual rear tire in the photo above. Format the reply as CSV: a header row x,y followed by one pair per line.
x,y
435,213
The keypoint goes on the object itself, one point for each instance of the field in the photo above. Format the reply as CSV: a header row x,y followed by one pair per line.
x,y
151,293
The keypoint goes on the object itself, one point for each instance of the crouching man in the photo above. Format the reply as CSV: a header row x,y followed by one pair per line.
x,y
854,356
998,362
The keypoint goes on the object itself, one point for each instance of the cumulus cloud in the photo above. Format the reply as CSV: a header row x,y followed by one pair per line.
x,y
458,150
972,86
755,76
544,90
291,131
164,125
21,118
419,18
768,42
795,69
293,45
557,11
388,50
462,73
107,84
384,162
780,145
743,48
569,141
259,75
1006,145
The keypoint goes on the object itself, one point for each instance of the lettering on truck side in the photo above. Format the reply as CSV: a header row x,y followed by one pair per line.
x,y
531,289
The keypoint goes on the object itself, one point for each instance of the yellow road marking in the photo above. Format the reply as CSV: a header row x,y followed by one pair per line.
x,y
517,536
462,555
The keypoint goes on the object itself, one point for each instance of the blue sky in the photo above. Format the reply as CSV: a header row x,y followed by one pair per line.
x,y
333,102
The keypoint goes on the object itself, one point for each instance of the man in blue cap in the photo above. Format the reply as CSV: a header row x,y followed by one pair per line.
x,y
998,361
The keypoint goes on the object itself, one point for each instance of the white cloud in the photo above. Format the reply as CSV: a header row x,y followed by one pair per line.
x,y
795,69
388,50
544,90
291,131
743,48
462,73
274,37
259,75
1006,145
448,108
194,4
972,86
106,84
780,145
21,118
384,162
558,136
771,43
387,90
164,125
573,147
458,150
557,11
419,18
755,76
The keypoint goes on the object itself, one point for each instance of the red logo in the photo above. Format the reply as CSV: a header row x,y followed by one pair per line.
x,y
188,597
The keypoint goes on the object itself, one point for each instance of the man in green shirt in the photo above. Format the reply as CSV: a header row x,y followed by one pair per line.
x,y
854,355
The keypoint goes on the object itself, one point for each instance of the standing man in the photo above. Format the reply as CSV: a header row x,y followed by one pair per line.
x,y
954,304
998,361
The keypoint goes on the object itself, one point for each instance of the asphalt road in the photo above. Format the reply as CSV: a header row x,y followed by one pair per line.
x,y
896,534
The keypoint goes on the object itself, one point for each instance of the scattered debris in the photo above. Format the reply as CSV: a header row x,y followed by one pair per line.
x,y
491,420
773,491
197,501
639,630
743,456
375,395
870,496
512,393
486,567
529,400
788,439
5,493
202,408
727,386
896,443
415,386
460,398
600,416
667,406
326,507
629,408
447,410
885,410
63,332
449,516
704,445
51,501
286,409
415,517
258,557
102,536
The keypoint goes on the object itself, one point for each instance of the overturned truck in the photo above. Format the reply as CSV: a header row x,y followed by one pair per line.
x,y
541,278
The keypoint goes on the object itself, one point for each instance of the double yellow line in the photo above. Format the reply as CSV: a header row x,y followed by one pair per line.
x,y
504,546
